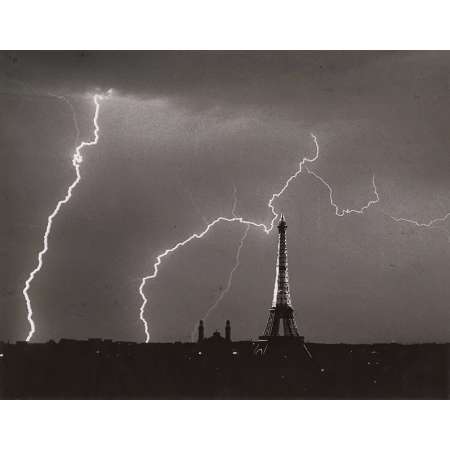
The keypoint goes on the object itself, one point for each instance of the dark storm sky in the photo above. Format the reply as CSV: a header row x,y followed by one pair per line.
x,y
179,130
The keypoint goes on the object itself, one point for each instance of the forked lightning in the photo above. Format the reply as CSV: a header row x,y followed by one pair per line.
x,y
262,226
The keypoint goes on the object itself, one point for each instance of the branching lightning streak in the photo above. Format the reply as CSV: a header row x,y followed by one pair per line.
x,y
230,277
429,224
262,226
237,262
77,159
342,212
235,200
225,291
74,116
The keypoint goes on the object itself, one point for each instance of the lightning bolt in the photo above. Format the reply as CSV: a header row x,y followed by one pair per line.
x,y
235,200
77,160
237,262
230,277
342,212
262,226
339,211
74,115
429,224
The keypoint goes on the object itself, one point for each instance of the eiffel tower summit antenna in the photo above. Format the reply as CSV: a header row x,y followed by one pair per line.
x,y
281,328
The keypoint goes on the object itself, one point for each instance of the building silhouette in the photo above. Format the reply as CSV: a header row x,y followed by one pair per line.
x,y
216,336
201,331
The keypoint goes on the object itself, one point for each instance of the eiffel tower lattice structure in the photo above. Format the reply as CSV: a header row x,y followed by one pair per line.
x,y
281,329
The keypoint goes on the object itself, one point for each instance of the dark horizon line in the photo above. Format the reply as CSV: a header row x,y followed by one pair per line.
x,y
193,343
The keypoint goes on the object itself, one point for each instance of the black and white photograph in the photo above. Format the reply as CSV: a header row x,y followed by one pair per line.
x,y
225,224
152,200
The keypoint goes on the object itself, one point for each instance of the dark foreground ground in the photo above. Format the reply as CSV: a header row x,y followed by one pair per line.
x,y
96,369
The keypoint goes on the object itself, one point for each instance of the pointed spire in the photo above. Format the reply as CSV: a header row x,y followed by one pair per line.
x,y
281,293
201,331
228,330
282,223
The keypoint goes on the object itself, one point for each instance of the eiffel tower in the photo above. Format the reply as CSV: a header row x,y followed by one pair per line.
x,y
281,330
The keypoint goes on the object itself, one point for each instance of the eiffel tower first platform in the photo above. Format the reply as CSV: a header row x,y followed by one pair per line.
x,y
281,333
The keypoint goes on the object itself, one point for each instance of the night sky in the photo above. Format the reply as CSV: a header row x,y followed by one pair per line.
x,y
179,131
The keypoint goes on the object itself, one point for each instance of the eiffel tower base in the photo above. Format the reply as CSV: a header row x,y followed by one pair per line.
x,y
282,347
